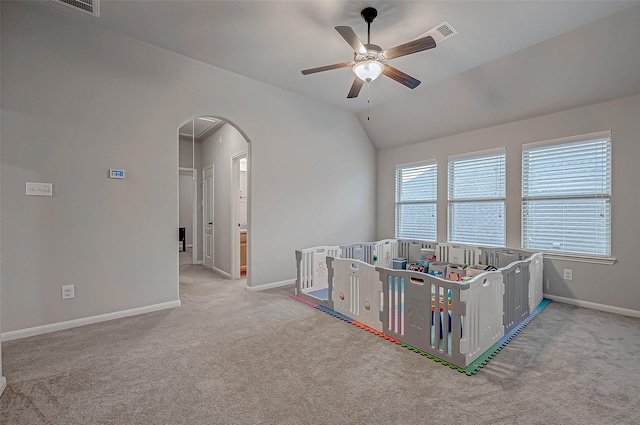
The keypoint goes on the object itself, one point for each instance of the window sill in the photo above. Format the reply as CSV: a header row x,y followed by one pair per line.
x,y
581,258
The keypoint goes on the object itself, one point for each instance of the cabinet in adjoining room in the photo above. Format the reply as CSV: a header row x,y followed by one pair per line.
x,y
243,253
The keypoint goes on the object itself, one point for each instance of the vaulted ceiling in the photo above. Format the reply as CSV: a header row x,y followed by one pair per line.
x,y
510,59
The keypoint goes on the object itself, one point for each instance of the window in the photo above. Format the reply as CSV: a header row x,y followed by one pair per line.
x,y
477,198
566,191
416,195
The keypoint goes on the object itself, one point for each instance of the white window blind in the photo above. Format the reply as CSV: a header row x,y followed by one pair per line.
x,y
416,195
566,191
477,198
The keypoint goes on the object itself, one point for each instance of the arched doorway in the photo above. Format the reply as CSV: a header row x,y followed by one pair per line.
x,y
215,154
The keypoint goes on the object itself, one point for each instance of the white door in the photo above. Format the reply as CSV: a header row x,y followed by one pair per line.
x,y
207,215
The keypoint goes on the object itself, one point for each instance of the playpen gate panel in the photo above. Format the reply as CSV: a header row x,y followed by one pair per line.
x,y
313,273
408,314
410,248
386,250
502,257
482,325
516,295
356,291
459,254
535,280
404,310
359,251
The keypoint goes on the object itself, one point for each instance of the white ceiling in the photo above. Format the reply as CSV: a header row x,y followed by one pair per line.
x,y
272,41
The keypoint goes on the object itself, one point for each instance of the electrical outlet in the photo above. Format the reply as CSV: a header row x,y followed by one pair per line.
x,y
568,274
68,291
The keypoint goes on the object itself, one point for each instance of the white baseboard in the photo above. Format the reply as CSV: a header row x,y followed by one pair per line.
x,y
198,262
53,327
595,306
3,384
223,273
270,285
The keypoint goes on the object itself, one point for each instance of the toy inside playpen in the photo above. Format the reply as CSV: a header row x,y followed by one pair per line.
x,y
453,320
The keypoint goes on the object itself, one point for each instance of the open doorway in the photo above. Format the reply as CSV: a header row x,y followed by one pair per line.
x,y
187,214
212,145
239,202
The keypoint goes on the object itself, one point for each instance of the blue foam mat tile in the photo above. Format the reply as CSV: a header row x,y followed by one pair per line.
x,y
515,331
335,313
321,294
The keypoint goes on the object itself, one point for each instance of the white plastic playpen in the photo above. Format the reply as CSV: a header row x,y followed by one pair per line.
x,y
455,321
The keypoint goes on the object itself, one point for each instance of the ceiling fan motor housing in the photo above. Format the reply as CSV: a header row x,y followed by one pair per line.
x,y
369,14
373,52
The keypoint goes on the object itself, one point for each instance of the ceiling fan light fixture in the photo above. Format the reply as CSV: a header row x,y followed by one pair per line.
x,y
368,70
369,60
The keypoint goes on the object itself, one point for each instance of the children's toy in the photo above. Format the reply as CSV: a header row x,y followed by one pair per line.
x,y
438,268
416,267
455,272
427,256
399,263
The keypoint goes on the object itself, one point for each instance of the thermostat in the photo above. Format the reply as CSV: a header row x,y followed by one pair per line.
x,y
116,174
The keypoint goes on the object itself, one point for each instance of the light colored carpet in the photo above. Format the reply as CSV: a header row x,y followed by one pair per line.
x,y
229,356
185,257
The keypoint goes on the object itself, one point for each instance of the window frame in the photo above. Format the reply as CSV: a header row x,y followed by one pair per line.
x,y
499,198
425,201
570,255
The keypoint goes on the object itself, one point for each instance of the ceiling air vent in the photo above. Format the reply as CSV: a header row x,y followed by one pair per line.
x,y
440,32
92,7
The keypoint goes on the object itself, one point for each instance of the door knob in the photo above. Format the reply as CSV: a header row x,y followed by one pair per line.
x,y
210,223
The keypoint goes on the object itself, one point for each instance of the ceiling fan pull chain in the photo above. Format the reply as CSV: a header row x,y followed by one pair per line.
x,y
368,101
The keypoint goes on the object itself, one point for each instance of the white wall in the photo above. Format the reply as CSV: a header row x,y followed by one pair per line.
x,y
602,284
78,100
186,152
218,149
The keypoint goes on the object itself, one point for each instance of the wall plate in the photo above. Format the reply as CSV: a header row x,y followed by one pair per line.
x,y
39,189
116,174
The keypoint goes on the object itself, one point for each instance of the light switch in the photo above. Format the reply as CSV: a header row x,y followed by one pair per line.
x,y
39,189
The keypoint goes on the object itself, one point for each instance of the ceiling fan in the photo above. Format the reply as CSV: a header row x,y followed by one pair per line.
x,y
369,59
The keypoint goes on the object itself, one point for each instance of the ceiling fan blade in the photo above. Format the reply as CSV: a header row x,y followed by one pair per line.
x,y
401,77
414,46
350,36
355,88
326,68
